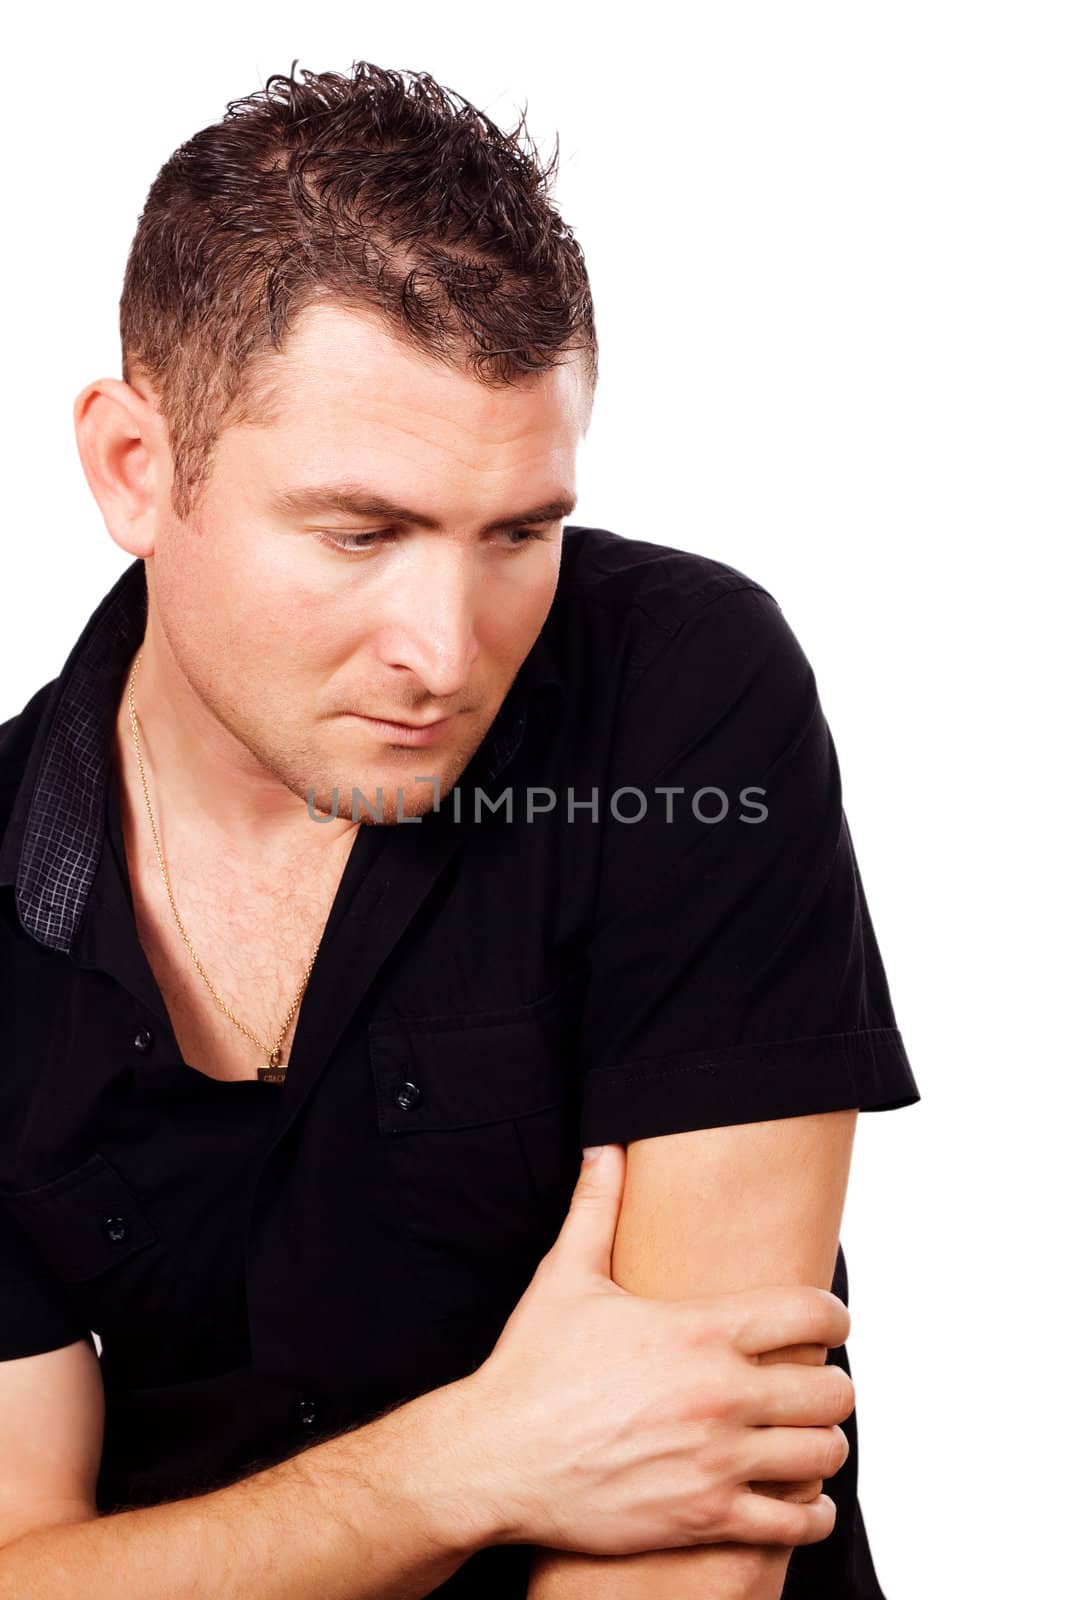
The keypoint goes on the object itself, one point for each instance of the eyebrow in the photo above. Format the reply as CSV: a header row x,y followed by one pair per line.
x,y
358,500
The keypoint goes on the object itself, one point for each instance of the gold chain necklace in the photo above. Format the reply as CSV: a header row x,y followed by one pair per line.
x,y
274,1071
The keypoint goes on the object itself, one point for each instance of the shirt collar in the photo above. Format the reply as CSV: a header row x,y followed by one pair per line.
x,y
52,843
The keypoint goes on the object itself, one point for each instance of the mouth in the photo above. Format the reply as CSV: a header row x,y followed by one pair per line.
x,y
413,733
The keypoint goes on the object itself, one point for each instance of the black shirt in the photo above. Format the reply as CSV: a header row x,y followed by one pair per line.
x,y
264,1266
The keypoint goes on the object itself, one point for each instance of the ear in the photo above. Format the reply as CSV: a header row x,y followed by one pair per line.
x,y
125,455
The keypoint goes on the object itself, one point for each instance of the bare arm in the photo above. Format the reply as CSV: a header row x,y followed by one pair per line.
x,y
709,1212
535,1447
385,1511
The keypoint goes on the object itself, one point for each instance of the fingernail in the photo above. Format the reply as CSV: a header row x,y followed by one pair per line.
x,y
591,1151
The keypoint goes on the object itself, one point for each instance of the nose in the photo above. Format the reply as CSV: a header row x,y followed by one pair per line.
x,y
431,631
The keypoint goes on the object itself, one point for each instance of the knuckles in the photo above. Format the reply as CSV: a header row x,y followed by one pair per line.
x,y
704,1517
728,1398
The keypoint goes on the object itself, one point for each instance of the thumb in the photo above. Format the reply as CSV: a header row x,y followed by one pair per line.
x,y
588,1232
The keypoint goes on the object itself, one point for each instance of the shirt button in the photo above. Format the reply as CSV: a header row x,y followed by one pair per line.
x,y
115,1229
143,1040
307,1410
407,1096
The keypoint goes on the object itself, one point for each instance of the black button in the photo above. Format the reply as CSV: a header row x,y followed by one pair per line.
x,y
307,1411
143,1040
115,1229
407,1096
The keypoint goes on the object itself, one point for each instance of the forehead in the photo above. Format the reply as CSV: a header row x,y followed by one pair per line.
x,y
342,368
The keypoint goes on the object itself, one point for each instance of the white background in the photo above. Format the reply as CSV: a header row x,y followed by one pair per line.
x,y
827,249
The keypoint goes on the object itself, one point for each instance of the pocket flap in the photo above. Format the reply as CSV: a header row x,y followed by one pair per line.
x,y
85,1221
435,1074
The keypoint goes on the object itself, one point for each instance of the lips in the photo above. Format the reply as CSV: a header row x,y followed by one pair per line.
x,y
397,722
403,732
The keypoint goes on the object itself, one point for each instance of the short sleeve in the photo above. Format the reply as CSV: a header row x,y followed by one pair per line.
x,y
733,970
35,1312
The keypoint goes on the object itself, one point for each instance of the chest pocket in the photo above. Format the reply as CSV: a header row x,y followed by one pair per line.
x,y
89,1228
481,1117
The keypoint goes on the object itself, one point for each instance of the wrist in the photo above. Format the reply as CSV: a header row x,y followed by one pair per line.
x,y
443,1471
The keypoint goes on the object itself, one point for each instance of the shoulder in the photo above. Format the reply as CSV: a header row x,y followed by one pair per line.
x,y
633,605
687,663
666,585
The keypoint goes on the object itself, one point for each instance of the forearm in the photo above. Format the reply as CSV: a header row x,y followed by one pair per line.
x,y
385,1512
707,1212
707,1572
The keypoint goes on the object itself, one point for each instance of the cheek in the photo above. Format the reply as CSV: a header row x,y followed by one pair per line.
x,y
514,614
539,581
209,583
307,629
266,614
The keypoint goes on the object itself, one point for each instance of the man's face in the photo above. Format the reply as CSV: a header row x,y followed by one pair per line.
x,y
295,642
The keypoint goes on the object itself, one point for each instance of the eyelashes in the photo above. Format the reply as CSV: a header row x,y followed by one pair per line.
x,y
515,539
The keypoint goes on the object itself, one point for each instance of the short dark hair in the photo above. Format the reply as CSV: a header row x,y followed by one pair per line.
x,y
380,191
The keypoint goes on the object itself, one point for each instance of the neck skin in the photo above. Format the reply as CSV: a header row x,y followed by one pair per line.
x,y
210,796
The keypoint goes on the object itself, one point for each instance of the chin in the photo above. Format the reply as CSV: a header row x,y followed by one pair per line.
x,y
390,770
333,801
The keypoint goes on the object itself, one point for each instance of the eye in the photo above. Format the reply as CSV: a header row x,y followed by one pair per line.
x,y
523,536
353,543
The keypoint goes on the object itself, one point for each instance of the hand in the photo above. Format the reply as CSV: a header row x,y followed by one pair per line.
x,y
611,1423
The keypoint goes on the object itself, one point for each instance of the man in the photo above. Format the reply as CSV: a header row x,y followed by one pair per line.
x,y
384,841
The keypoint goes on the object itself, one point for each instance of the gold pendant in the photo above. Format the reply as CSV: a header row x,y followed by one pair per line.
x,y
274,1071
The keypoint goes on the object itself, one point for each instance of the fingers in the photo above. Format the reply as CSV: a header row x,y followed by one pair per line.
x,y
812,1354
756,1320
806,1491
796,1396
584,1243
794,1455
760,1519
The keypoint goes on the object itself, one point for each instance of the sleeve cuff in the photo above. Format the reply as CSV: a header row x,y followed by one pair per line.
x,y
32,1336
868,1070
